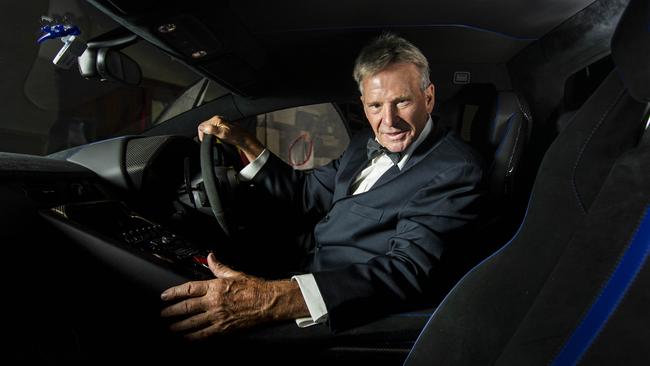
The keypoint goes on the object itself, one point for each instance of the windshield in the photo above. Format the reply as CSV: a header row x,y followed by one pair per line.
x,y
48,108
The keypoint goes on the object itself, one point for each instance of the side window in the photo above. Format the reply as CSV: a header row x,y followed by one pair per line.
x,y
304,137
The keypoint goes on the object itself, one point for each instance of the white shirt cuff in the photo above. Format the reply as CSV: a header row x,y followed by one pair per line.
x,y
250,170
313,299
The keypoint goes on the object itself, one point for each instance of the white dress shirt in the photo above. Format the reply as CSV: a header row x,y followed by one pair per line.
x,y
362,183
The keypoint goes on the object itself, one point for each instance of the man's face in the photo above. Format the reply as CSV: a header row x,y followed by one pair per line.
x,y
396,106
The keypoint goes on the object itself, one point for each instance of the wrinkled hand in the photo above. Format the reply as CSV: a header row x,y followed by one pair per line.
x,y
233,300
232,134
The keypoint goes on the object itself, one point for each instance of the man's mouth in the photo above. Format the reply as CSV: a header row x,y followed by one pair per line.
x,y
398,135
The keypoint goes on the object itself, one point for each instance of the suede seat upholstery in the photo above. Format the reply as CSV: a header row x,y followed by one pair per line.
x,y
590,201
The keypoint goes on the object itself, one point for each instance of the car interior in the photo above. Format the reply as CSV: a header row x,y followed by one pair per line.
x,y
104,209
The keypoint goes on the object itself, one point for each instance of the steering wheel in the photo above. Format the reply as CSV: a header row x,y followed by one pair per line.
x,y
210,181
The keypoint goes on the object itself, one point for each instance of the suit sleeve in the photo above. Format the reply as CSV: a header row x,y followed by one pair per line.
x,y
410,269
307,192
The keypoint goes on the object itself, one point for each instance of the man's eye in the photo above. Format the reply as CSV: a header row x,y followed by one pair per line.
x,y
402,103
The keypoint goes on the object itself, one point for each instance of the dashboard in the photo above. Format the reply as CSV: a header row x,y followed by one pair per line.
x,y
112,199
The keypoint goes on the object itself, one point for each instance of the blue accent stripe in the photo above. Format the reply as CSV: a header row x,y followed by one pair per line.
x,y
609,298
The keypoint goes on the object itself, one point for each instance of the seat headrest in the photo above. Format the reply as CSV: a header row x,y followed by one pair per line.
x,y
631,49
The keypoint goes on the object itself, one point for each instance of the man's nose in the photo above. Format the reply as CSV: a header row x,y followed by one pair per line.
x,y
390,115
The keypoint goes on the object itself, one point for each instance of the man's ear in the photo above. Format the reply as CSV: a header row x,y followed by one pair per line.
x,y
430,97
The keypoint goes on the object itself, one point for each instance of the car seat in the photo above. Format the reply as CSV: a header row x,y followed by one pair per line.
x,y
496,124
571,286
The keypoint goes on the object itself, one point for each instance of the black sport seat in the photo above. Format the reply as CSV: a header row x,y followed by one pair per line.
x,y
496,125
571,286
506,138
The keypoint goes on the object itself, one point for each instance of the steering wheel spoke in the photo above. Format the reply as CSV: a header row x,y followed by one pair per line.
x,y
210,180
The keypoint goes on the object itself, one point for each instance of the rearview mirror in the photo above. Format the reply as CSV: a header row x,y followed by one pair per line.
x,y
104,60
116,66
107,64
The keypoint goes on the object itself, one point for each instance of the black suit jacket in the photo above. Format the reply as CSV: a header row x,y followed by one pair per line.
x,y
379,251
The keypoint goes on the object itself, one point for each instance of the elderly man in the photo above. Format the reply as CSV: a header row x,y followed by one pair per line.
x,y
391,206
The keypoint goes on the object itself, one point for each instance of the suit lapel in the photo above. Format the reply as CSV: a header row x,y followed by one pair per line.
x,y
358,161
387,177
429,143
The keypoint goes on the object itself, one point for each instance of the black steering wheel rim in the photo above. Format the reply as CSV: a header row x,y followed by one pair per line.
x,y
210,181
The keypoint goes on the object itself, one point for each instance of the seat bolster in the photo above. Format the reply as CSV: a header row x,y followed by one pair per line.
x,y
506,106
630,50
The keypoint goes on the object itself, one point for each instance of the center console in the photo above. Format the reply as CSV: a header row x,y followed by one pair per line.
x,y
140,248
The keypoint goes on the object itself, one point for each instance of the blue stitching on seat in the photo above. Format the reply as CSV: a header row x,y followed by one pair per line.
x,y
610,297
